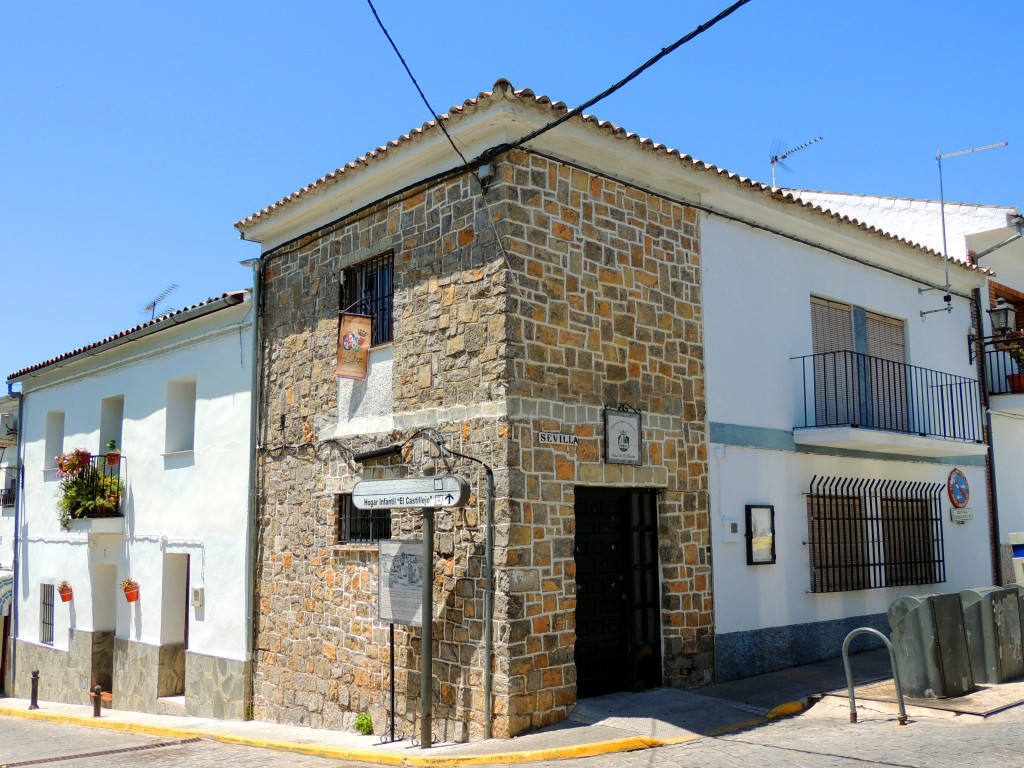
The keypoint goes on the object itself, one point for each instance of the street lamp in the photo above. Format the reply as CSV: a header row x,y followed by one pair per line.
x,y
1003,316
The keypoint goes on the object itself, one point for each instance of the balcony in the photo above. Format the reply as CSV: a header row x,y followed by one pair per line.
x,y
1003,374
7,497
859,402
90,486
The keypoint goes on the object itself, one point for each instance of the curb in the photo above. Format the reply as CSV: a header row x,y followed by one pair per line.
x,y
592,749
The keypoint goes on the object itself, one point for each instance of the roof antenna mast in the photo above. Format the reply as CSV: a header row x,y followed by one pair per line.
x,y
151,307
780,153
939,157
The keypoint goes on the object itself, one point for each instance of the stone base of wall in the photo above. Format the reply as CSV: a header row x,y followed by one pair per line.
x,y
216,687
67,676
52,664
136,668
1006,563
755,652
171,675
90,663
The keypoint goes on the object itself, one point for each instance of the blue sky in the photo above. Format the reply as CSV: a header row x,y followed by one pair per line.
x,y
135,134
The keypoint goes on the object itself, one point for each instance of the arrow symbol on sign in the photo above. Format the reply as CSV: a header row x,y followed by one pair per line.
x,y
449,498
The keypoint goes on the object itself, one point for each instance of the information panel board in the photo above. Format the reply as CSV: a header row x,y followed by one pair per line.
x,y
400,586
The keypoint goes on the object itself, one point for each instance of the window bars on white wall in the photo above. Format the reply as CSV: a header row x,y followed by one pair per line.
x,y
871,533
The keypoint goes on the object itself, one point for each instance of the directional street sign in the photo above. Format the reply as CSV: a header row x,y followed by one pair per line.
x,y
440,491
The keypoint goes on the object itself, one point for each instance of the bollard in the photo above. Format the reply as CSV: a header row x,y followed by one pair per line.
x,y
34,701
97,697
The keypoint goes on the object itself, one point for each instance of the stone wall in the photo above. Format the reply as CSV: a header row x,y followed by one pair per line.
x,y
590,298
67,676
52,665
216,687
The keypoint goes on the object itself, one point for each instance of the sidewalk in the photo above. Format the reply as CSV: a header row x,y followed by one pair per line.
x,y
613,723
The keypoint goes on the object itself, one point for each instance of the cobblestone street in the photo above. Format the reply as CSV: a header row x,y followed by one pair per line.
x,y
822,738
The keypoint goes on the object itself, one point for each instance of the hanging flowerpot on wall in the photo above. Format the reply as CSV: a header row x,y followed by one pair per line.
x,y
113,455
130,587
65,592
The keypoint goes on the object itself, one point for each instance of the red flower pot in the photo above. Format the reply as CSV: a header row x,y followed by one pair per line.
x,y
65,595
131,595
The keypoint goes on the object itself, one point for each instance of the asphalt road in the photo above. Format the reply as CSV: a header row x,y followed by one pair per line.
x,y
822,738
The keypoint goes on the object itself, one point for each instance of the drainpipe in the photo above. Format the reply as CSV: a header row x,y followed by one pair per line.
x,y
252,505
19,504
990,469
488,603
488,589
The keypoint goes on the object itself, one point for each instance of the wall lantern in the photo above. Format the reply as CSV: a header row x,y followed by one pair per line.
x,y
1003,316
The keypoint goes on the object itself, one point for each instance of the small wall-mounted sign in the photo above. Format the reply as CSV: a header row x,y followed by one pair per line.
x,y
558,438
961,514
400,582
760,534
959,490
623,436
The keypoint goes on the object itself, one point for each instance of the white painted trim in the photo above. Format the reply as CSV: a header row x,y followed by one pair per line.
x,y
879,441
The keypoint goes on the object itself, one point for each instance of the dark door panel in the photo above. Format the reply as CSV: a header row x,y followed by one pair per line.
x,y
617,609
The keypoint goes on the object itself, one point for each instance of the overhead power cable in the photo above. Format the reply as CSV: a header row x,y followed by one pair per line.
x,y
433,113
631,76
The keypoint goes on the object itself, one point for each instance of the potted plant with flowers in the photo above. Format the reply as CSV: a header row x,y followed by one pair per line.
x,y
87,489
130,587
113,455
64,590
1013,346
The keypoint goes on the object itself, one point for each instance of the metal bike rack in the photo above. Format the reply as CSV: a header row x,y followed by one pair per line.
x,y
849,673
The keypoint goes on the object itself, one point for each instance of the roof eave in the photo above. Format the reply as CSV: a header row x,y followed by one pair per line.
x,y
163,324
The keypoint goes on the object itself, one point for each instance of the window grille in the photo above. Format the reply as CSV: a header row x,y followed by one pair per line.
x,y
361,526
866,534
46,614
369,290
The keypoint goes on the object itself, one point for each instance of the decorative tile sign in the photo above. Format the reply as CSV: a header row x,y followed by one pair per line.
x,y
558,438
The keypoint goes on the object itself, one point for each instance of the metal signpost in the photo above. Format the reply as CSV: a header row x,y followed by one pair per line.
x,y
429,493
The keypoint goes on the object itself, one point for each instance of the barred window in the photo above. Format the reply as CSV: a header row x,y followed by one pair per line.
x,y
361,526
866,534
369,290
46,614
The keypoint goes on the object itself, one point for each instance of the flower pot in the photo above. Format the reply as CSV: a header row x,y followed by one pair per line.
x,y
131,595
1015,382
65,595
113,459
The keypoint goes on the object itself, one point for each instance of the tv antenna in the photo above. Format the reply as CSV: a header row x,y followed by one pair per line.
x,y
151,307
939,157
780,152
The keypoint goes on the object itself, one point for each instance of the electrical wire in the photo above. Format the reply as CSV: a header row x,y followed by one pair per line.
x,y
628,78
433,113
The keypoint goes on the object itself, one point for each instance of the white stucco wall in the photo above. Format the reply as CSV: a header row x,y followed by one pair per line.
x,y
757,308
777,595
188,503
757,289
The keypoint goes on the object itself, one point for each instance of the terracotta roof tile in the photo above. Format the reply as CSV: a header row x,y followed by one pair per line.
x,y
503,89
239,297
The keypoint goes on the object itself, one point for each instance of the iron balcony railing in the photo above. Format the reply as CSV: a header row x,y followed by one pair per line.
x,y
1003,375
7,497
92,488
849,389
